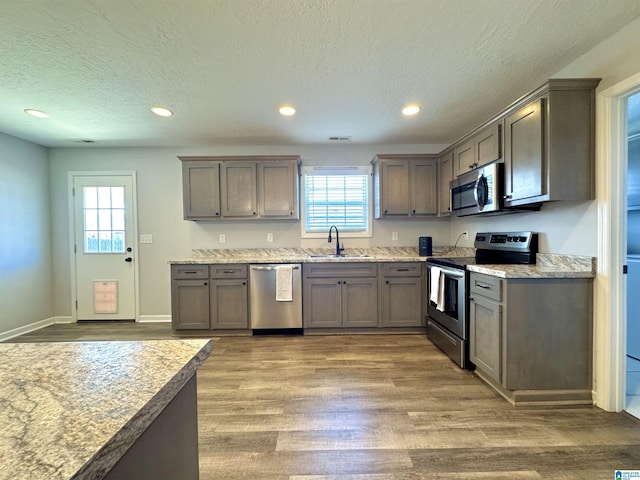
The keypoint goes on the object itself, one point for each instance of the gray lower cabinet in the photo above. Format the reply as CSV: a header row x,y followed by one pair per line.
x,y
205,297
338,296
401,294
531,338
189,297
229,299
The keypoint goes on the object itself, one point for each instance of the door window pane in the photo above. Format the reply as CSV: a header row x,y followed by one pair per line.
x,y
104,219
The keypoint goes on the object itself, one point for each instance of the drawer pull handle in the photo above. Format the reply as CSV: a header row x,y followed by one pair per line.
x,y
190,273
483,285
402,270
228,271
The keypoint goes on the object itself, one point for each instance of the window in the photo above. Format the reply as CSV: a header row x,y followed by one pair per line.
x,y
103,219
336,196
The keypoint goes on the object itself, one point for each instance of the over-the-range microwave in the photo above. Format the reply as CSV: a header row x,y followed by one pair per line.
x,y
481,191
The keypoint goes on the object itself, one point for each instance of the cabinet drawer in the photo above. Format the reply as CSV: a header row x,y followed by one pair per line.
x,y
407,269
228,271
353,269
189,271
486,286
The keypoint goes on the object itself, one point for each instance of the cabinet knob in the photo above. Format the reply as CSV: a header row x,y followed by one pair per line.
x,y
244,283
217,214
205,284
339,282
413,211
386,211
387,282
290,213
254,213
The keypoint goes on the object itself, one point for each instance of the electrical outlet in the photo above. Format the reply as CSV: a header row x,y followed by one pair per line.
x,y
222,238
394,236
269,237
146,238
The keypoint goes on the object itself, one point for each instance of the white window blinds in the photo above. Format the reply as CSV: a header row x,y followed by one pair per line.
x,y
336,196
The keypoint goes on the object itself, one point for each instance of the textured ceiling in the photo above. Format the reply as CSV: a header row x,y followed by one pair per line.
x,y
224,66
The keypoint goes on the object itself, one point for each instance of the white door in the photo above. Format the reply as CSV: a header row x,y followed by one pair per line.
x,y
104,246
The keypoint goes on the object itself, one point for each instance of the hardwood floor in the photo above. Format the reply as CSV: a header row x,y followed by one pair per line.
x,y
375,407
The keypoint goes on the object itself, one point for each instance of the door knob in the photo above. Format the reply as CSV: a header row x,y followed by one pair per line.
x,y
128,259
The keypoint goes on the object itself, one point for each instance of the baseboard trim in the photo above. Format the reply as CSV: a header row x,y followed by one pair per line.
x,y
154,319
16,332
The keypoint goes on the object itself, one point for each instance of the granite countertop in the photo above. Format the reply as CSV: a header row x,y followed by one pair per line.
x,y
547,266
71,410
314,255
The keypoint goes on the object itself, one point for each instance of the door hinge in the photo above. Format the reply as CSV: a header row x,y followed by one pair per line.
x,y
76,304
75,249
73,191
625,269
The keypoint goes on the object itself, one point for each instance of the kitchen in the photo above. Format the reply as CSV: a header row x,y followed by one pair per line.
x,y
36,204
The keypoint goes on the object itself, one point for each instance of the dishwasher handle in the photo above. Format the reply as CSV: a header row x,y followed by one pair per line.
x,y
295,267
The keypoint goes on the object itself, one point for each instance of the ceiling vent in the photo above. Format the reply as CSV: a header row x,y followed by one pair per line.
x,y
340,139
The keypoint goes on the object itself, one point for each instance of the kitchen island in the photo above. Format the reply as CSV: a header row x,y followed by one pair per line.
x,y
94,410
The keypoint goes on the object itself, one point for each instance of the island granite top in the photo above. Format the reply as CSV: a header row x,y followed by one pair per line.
x,y
71,410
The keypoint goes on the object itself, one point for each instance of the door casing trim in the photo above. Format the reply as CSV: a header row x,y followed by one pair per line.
x,y
610,309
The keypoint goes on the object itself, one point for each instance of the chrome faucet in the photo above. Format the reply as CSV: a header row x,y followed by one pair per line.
x,y
339,249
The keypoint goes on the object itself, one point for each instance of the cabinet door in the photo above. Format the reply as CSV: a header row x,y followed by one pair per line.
x,y
488,145
239,189
445,177
402,302
395,187
201,190
278,189
485,336
525,169
424,197
464,158
322,302
229,303
189,304
360,302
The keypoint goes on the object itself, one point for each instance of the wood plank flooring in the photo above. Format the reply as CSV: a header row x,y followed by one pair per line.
x,y
375,407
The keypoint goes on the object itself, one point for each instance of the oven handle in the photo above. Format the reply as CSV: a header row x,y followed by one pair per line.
x,y
452,273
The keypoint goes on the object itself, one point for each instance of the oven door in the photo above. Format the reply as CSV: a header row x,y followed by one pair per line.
x,y
453,312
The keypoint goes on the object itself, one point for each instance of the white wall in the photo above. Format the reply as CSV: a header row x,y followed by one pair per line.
x,y
160,211
25,252
571,228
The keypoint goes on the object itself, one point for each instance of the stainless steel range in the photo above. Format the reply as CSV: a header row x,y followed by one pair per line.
x,y
448,286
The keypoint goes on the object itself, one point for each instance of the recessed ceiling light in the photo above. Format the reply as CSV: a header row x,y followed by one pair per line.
x,y
287,110
411,109
162,111
35,113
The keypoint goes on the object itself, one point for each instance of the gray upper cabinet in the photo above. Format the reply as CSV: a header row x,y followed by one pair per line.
x,y
201,189
239,192
445,175
241,187
405,185
278,189
482,148
549,144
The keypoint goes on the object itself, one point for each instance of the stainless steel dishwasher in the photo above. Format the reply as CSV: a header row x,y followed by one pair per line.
x,y
268,313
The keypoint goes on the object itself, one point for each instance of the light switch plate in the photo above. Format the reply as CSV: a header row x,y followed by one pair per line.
x,y
269,237
222,238
146,238
394,235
